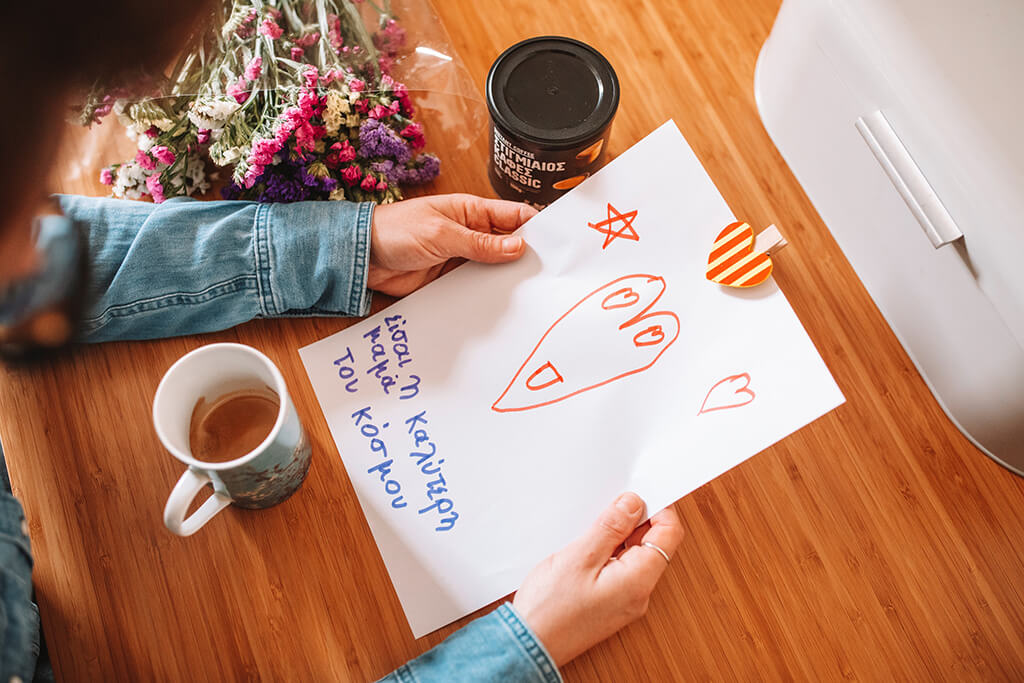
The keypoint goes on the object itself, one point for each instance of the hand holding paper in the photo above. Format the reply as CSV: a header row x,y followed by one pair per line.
x,y
583,594
410,241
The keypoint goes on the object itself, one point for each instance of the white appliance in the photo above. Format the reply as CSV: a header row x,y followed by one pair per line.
x,y
904,122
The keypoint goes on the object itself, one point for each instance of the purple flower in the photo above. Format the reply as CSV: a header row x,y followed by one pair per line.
x,y
424,170
427,169
377,140
286,181
387,169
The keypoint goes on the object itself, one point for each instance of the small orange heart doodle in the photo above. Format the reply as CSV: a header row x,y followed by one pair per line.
x,y
609,334
728,393
733,262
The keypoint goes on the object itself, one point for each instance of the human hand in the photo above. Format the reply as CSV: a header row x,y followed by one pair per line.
x,y
411,240
582,594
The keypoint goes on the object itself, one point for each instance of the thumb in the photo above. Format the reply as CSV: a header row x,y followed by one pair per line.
x,y
611,529
458,241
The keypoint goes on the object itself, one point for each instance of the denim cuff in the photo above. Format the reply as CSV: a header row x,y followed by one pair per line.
x,y
529,643
496,647
313,258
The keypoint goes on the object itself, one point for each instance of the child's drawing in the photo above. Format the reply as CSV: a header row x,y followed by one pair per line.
x,y
732,392
626,231
607,335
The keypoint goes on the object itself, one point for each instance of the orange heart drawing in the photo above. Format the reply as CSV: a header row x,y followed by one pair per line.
x,y
733,262
611,333
726,394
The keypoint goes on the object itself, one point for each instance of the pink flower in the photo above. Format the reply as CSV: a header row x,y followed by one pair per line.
x,y
203,136
254,69
152,131
297,53
381,185
238,91
308,39
144,160
271,30
331,76
311,76
334,32
162,154
414,134
382,112
107,176
351,174
341,153
356,85
155,188
346,152
368,184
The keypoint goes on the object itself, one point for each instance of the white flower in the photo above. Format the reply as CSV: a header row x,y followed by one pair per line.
x,y
212,113
195,175
224,156
336,106
163,124
130,182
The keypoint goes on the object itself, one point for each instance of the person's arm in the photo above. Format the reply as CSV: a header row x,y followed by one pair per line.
x,y
571,601
19,617
186,267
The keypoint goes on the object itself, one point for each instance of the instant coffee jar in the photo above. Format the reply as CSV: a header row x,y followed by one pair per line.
x,y
552,101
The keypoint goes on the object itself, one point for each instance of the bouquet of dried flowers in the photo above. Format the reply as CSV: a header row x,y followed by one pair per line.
x,y
294,97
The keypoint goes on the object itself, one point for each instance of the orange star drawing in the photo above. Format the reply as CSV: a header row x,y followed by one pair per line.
x,y
626,231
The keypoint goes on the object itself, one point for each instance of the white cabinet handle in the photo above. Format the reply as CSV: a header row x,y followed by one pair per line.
x,y
906,176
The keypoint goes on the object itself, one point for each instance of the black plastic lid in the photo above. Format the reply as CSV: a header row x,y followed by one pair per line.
x,y
552,91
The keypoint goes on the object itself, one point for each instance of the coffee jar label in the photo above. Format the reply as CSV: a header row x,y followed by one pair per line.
x,y
539,176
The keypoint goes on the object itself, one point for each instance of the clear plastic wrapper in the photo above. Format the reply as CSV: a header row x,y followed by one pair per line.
x,y
283,101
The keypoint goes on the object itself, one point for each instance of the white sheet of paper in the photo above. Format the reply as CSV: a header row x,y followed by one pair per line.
x,y
519,482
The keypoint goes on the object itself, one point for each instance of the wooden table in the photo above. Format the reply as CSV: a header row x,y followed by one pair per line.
x,y
877,543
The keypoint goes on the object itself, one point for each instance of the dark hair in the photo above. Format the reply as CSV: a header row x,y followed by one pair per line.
x,y
52,48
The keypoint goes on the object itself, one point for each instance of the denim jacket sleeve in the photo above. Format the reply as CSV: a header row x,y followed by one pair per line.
x,y
19,617
495,647
186,266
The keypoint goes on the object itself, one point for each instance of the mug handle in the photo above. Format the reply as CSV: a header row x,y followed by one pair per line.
x,y
187,488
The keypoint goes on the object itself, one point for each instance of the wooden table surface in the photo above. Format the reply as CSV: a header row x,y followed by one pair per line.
x,y
876,543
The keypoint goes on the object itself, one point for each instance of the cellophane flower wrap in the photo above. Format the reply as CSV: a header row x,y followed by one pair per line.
x,y
294,99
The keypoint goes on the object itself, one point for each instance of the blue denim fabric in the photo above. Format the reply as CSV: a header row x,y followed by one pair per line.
x,y
58,243
496,647
19,616
185,266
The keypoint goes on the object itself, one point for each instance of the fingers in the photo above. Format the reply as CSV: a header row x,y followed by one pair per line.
x,y
457,241
487,215
612,527
647,564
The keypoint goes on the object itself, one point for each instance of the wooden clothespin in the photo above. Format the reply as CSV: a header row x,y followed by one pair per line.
x,y
769,241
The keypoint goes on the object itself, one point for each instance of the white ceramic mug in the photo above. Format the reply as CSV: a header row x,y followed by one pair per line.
x,y
265,476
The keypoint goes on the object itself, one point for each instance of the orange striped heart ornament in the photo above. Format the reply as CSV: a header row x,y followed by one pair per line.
x,y
733,262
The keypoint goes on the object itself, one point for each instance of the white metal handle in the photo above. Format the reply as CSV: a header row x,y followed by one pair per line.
x,y
907,178
187,488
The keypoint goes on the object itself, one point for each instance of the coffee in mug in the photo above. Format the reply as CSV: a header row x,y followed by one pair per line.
x,y
224,411
230,426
